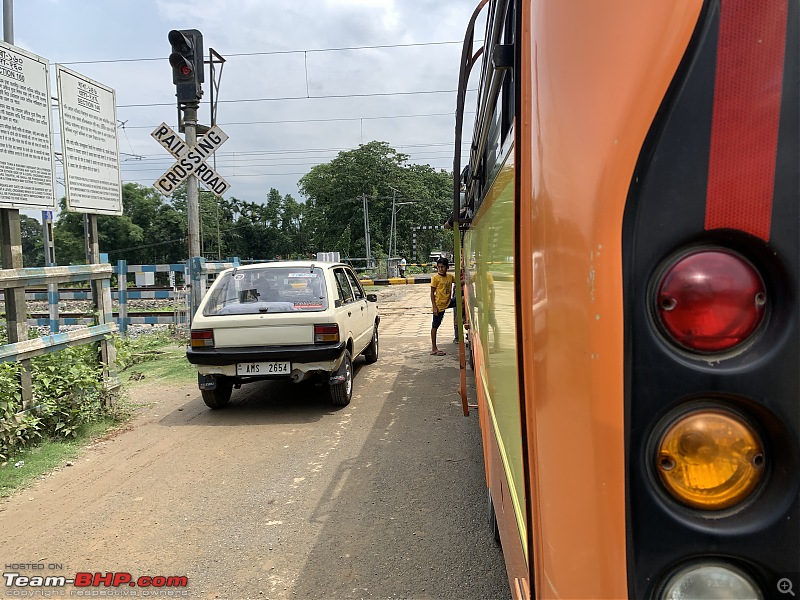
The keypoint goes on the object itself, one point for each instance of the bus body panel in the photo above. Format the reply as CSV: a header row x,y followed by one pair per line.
x,y
588,97
640,135
488,251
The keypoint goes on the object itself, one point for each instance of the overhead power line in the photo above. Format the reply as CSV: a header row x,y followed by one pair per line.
x,y
238,154
229,55
316,97
332,119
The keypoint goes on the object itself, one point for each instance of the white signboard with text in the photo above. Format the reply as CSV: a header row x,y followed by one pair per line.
x,y
89,144
27,168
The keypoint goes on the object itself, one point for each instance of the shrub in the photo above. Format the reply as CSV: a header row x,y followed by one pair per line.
x,y
67,391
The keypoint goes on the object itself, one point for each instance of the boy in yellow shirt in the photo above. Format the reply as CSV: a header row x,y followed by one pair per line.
x,y
441,299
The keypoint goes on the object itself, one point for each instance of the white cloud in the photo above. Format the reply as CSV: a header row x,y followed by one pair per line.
x,y
314,91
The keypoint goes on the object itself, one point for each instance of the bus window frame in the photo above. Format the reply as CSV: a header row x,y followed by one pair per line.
x,y
494,125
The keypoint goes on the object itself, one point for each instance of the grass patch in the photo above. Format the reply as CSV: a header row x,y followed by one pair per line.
x,y
166,363
154,357
36,461
147,359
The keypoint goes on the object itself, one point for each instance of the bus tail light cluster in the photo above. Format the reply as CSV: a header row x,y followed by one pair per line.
x,y
326,333
202,338
708,303
710,300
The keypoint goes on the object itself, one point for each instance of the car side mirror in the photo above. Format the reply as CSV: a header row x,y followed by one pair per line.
x,y
372,297
337,303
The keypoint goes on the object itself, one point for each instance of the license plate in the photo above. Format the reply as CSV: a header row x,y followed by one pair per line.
x,y
264,368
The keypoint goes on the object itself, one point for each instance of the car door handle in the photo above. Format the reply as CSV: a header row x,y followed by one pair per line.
x,y
349,314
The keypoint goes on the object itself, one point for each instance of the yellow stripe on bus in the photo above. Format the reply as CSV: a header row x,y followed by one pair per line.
x,y
509,473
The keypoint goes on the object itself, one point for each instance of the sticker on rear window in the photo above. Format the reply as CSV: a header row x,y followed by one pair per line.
x,y
307,304
305,275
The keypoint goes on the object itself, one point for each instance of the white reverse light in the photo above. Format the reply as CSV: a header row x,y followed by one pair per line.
x,y
710,581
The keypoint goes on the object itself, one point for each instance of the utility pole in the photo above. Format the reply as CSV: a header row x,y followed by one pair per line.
x,y
391,224
11,242
365,206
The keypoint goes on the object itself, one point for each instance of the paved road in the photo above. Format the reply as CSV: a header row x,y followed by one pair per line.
x,y
280,495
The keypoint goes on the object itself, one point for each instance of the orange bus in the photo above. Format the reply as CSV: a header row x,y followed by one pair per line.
x,y
630,213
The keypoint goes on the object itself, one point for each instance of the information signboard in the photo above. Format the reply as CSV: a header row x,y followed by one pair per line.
x,y
89,144
27,169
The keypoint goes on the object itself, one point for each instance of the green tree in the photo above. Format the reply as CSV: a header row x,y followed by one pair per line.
x,y
69,237
153,230
148,231
334,204
32,242
292,230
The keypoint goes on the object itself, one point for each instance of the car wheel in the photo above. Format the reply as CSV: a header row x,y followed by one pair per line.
x,y
341,392
371,353
219,396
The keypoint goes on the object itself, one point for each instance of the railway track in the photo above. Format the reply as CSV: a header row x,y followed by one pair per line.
x,y
84,315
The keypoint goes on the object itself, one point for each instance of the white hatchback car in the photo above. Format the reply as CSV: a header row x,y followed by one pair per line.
x,y
292,319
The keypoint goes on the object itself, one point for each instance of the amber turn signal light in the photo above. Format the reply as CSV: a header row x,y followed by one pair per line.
x,y
710,459
202,338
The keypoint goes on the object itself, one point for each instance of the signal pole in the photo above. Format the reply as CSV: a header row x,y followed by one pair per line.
x,y
193,203
186,61
192,192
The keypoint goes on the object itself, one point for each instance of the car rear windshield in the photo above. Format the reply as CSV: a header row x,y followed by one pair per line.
x,y
268,290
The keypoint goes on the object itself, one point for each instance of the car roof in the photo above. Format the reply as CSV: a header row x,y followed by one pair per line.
x,y
299,264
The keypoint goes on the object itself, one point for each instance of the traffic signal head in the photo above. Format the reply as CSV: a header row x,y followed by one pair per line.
x,y
186,60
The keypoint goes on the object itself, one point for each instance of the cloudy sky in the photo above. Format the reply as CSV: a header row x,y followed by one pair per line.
x,y
303,79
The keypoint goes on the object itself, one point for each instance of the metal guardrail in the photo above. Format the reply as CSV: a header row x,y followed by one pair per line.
x,y
56,275
53,343
104,324
100,276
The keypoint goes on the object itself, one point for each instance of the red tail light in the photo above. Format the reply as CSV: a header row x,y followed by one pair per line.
x,y
203,338
710,300
326,333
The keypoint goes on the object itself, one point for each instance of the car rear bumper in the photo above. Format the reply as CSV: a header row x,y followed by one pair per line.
x,y
295,354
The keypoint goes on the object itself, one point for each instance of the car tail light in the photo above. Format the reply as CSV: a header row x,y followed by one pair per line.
x,y
203,338
710,459
326,333
710,300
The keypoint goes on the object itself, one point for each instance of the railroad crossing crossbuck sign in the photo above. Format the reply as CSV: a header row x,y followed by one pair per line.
x,y
190,160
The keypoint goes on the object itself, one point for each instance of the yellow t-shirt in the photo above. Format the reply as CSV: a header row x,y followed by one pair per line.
x,y
443,286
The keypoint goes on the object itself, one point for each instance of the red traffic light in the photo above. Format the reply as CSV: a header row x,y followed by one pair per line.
x,y
180,64
186,61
